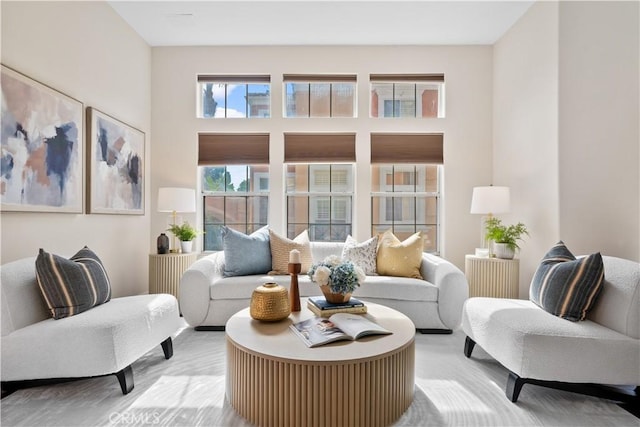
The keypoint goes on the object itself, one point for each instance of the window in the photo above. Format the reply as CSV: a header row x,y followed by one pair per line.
x,y
236,196
234,96
405,183
234,181
320,95
405,199
407,95
319,198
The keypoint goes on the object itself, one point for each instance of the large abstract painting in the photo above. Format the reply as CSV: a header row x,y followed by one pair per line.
x,y
116,165
42,149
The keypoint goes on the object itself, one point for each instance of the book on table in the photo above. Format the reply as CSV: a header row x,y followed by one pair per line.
x,y
358,309
323,304
340,326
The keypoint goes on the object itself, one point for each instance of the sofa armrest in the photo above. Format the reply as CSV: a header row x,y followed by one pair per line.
x,y
195,287
453,289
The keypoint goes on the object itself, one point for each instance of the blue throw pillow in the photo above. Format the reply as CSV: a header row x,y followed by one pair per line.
x,y
245,255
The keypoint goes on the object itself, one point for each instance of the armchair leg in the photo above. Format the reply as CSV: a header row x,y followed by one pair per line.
x,y
468,346
514,385
125,378
167,348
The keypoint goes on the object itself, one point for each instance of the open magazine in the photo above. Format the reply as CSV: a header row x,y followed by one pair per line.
x,y
340,326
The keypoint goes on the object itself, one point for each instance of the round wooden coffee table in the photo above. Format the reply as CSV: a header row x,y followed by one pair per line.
x,y
274,379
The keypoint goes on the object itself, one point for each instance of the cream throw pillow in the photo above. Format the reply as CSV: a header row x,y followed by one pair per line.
x,y
401,259
280,248
361,254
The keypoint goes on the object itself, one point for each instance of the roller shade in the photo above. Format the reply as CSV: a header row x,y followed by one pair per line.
x,y
233,148
319,147
234,78
406,77
319,78
407,148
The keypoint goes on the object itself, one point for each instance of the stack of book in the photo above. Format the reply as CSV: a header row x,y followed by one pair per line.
x,y
320,307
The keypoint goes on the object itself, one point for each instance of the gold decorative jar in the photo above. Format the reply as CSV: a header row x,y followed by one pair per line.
x,y
270,303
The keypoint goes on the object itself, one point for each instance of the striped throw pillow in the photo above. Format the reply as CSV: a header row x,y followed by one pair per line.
x,y
565,286
71,286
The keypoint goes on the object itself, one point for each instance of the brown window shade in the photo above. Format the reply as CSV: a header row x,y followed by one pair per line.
x,y
233,78
407,148
406,77
233,148
319,78
319,147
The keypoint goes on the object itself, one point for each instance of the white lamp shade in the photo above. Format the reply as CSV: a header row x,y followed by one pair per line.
x,y
490,200
172,199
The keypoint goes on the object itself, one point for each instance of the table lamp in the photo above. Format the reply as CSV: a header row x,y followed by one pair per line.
x,y
174,200
488,201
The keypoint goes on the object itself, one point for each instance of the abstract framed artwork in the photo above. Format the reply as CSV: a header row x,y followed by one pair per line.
x,y
42,151
116,165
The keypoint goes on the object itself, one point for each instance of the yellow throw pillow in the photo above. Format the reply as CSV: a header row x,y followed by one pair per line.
x,y
280,248
401,259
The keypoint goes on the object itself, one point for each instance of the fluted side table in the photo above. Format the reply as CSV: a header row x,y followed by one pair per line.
x,y
492,277
165,271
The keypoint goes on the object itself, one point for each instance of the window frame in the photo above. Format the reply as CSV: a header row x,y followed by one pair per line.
x,y
257,193
383,196
319,80
421,83
315,196
239,80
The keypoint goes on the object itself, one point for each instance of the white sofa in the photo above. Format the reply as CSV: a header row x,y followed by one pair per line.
x,y
540,348
208,300
105,340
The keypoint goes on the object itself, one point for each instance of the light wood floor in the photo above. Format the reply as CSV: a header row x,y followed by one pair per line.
x,y
188,390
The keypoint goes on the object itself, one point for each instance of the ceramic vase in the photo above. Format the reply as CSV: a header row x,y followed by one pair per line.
x,y
334,298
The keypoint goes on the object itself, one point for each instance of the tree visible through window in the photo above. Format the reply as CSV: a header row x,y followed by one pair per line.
x,y
236,196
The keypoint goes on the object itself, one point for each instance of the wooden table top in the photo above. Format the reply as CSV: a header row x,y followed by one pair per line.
x,y
276,341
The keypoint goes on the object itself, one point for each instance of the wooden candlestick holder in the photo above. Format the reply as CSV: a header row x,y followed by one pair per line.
x,y
294,292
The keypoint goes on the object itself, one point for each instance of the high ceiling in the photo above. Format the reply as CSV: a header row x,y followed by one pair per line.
x,y
329,22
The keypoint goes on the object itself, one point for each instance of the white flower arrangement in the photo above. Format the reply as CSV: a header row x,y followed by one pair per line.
x,y
341,277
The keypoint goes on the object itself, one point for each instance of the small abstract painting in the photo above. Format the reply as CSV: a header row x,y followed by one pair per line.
x,y
41,162
116,165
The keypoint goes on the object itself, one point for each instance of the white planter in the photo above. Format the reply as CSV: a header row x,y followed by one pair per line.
x,y
186,246
503,251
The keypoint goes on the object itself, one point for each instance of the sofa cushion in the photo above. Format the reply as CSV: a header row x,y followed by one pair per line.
x,y
245,255
280,248
565,286
100,341
361,254
396,258
380,287
71,286
535,344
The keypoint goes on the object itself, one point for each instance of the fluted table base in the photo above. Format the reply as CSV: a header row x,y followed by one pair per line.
x,y
274,391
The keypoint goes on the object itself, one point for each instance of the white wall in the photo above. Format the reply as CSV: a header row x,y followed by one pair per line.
x,y
467,126
599,136
85,50
566,128
525,130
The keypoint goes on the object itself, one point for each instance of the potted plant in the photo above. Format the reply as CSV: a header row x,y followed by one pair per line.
x,y
185,233
337,279
505,237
